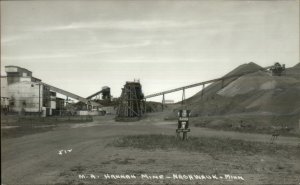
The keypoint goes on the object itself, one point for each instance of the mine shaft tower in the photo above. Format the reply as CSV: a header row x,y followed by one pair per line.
x,y
131,103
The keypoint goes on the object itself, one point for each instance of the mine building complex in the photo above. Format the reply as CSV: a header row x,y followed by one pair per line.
x,y
24,94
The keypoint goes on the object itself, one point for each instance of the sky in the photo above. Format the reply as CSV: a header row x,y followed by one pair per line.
x,y
81,46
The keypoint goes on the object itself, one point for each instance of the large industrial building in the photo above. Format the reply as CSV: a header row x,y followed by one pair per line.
x,y
23,93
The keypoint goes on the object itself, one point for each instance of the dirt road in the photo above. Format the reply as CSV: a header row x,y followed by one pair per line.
x,y
61,155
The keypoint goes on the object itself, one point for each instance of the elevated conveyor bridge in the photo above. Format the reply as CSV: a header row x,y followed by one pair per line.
x,y
222,79
72,95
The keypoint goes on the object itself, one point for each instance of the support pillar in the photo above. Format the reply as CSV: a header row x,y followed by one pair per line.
x,y
202,92
163,102
145,107
183,96
39,99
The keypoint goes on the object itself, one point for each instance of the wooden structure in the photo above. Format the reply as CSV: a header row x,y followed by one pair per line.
x,y
131,103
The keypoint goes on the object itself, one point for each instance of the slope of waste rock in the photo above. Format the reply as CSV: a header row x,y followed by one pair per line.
x,y
213,88
293,71
257,93
258,81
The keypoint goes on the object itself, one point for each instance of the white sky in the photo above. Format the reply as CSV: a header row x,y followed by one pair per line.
x,y
81,46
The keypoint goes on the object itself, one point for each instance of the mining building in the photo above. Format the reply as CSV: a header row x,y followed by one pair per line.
x,y
24,94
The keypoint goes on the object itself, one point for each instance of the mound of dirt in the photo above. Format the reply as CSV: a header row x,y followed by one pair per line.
x,y
293,71
255,101
211,90
258,81
297,65
245,68
253,93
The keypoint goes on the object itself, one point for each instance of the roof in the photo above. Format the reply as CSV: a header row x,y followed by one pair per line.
x,y
18,68
36,79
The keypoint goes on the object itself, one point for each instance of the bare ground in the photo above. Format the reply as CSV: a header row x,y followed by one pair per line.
x,y
34,158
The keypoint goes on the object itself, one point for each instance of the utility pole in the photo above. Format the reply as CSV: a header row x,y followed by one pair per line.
x,y
145,108
163,102
39,99
183,97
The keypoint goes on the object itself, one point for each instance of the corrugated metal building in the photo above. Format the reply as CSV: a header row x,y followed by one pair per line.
x,y
25,93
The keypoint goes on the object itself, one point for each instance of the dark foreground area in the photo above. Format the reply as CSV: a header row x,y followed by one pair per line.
x,y
103,151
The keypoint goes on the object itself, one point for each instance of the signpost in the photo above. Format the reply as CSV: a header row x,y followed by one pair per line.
x,y
183,123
